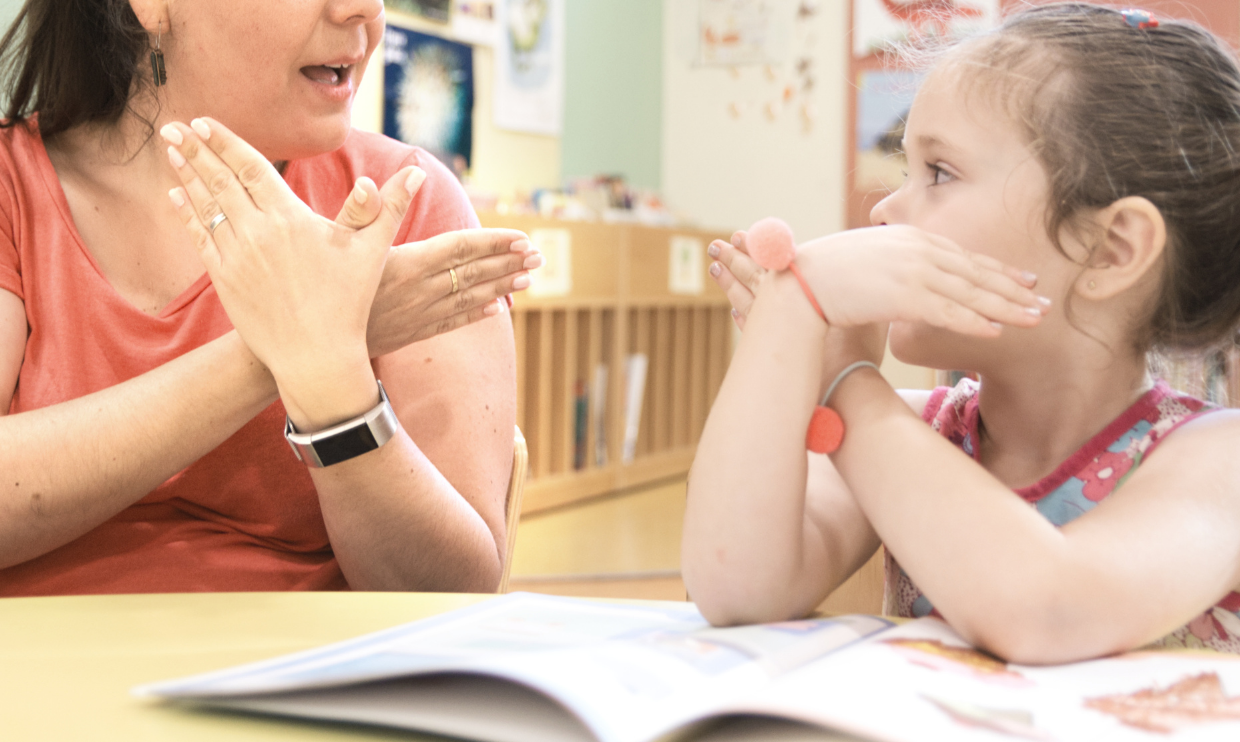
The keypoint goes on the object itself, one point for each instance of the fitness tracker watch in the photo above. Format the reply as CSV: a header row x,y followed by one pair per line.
x,y
347,440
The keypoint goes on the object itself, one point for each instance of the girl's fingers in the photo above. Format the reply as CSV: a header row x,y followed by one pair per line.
x,y
207,248
981,301
362,205
974,270
192,159
741,266
453,249
252,171
956,317
738,294
1024,278
739,241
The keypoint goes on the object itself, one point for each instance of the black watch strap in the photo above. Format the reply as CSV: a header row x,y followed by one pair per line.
x,y
347,440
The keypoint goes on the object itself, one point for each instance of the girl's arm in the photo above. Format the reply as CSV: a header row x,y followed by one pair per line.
x,y
1150,557
769,530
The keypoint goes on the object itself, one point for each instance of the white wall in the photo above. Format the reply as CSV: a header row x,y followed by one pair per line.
x,y
726,172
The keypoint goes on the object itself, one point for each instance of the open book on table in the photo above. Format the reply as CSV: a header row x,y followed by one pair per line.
x,y
534,668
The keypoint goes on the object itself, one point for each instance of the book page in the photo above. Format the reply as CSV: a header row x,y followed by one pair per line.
x,y
921,681
628,673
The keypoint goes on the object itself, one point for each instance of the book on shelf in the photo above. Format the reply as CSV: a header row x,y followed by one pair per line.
x,y
598,410
526,668
635,367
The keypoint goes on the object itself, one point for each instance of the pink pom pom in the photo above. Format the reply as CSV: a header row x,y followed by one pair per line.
x,y
771,244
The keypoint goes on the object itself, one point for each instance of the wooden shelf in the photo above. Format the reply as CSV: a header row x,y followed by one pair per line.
x,y
620,303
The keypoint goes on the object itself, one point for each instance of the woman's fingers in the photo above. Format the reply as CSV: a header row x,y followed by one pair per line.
x,y
455,249
362,205
246,165
394,199
207,248
196,163
460,319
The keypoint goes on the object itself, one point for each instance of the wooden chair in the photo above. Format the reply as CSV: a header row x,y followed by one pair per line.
x,y
512,506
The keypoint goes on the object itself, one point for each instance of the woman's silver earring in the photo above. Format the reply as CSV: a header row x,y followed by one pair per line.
x,y
157,61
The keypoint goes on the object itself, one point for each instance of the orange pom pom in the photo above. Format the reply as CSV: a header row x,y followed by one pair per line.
x,y
770,243
826,431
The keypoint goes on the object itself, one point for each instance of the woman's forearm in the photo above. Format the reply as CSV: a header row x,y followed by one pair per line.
x,y
71,466
396,523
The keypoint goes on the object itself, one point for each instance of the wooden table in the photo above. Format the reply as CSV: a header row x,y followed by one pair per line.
x,y
67,663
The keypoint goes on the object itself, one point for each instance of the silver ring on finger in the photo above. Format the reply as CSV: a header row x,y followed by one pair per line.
x,y
216,221
456,286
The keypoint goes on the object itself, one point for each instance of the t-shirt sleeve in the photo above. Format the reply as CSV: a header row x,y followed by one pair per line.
x,y
10,260
440,205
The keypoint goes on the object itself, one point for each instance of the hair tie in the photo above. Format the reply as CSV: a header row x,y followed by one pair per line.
x,y
826,427
1139,19
771,245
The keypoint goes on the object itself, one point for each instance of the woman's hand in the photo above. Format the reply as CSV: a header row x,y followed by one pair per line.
x,y
884,274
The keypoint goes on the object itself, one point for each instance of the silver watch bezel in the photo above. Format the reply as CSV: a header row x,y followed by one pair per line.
x,y
380,420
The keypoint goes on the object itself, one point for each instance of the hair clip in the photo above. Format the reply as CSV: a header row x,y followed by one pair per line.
x,y
1139,19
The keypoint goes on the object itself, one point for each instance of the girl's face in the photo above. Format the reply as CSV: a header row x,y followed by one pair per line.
x,y
972,178
281,73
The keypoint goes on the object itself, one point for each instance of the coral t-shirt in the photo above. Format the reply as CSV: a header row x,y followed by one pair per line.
x,y
246,515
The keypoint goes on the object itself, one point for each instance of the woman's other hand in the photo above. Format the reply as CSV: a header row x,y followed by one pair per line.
x,y
415,300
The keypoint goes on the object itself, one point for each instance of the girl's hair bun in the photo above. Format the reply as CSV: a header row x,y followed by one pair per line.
x,y
770,243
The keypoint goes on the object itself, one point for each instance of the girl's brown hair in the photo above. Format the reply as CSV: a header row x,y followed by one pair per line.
x,y
72,62
1116,111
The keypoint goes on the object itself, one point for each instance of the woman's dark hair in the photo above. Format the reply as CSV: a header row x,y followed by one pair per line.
x,y
71,62
1115,111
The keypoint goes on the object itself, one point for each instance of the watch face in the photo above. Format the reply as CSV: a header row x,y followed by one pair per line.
x,y
345,445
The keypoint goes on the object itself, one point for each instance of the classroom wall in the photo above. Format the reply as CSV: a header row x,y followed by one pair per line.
x,y
613,81
504,162
726,172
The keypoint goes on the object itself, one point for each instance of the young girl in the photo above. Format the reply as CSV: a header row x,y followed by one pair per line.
x,y
1072,202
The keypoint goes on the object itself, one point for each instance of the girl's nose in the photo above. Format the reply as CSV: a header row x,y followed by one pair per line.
x,y
883,211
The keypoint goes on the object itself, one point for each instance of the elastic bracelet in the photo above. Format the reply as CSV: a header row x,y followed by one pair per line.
x,y
826,428
808,294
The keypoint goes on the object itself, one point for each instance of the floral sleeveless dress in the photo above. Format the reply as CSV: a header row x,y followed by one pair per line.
x,y
1075,487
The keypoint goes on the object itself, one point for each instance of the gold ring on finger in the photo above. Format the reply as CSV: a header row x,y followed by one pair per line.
x,y
456,286
216,221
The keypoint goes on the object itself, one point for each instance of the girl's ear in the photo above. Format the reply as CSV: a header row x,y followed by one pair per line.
x,y
1134,236
152,14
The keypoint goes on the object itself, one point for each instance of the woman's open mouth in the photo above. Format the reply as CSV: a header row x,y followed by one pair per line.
x,y
328,74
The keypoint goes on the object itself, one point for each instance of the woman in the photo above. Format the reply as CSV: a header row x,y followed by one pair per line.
x,y
143,449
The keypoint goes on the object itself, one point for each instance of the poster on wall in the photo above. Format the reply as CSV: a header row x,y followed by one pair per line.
x,y
529,66
878,24
473,22
733,33
428,96
435,10
883,100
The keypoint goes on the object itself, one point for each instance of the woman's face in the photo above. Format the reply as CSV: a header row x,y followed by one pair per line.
x,y
973,178
281,73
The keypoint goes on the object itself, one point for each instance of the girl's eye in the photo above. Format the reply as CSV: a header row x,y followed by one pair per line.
x,y
939,175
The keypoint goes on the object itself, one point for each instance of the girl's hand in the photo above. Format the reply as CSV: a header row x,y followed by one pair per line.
x,y
900,273
736,273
